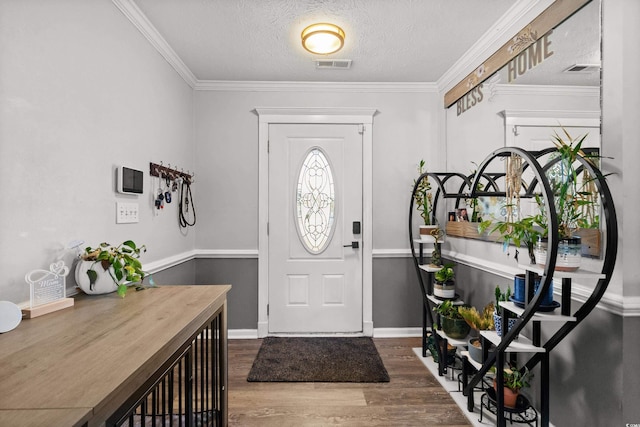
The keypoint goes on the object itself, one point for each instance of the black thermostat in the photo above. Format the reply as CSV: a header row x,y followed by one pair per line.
x,y
130,181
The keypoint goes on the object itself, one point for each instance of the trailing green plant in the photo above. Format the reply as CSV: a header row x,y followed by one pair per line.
x,y
422,196
480,321
121,262
445,274
525,231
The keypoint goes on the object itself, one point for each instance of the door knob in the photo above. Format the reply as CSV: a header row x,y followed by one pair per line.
x,y
353,245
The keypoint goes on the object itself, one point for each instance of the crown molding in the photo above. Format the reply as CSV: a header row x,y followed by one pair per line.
x,y
471,58
133,13
347,87
497,34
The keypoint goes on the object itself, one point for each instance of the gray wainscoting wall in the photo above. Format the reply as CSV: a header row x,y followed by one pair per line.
x,y
586,367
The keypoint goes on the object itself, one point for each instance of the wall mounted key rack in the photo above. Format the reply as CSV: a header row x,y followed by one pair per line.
x,y
165,172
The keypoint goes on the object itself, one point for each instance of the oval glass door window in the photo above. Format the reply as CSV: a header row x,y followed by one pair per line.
x,y
315,201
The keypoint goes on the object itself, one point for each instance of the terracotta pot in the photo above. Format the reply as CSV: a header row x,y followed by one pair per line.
x,y
510,396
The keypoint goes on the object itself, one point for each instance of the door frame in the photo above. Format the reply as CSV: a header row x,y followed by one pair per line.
x,y
354,116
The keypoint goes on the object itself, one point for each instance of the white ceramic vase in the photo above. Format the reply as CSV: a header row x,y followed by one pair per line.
x,y
425,232
569,253
104,283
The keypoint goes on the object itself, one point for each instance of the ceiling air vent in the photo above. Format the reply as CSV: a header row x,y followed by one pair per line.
x,y
332,64
583,68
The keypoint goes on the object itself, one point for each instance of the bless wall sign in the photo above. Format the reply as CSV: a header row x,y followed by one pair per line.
x,y
518,66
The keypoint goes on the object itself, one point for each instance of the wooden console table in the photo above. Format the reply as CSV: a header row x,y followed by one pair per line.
x,y
91,363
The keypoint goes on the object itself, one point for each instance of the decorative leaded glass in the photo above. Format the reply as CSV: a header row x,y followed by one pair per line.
x,y
315,201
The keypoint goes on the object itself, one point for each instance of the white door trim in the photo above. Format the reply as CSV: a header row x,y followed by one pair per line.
x,y
267,116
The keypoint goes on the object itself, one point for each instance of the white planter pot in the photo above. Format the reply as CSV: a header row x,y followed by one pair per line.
x,y
444,290
104,283
425,232
569,254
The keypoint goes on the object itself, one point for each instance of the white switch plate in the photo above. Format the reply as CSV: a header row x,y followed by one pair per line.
x,y
126,213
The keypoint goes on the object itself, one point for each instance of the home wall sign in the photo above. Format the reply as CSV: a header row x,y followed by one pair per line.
x,y
529,58
555,14
47,290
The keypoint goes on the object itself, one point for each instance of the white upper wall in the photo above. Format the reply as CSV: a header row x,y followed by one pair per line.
x,y
405,130
81,92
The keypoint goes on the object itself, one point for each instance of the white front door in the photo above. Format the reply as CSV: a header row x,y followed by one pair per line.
x,y
315,197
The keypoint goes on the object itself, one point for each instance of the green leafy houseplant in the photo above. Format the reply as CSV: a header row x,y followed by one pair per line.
x,y
574,198
516,379
452,322
447,309
422,196
445,274
525,231
121,262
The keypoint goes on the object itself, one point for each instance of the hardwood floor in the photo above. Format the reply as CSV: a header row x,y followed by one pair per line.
x,y
412,397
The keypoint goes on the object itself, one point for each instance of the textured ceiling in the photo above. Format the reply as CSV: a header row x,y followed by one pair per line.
x,y
388,40
259,40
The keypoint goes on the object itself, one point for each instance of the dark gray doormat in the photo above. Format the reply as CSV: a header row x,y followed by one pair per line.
x,y
325,359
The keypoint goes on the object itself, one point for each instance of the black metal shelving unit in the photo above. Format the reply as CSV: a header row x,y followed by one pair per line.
x,y
510,342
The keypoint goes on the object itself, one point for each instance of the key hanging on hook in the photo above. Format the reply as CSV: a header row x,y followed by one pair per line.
x,y
167,194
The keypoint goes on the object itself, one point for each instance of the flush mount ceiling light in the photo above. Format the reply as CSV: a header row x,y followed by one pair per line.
x,y
322,39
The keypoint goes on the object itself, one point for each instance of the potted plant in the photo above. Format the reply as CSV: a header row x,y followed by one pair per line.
x,y
478,321
525,231
452,323
445,285
108,268
497,318
473,203
423,199
574,200
513,229
436,255
514,380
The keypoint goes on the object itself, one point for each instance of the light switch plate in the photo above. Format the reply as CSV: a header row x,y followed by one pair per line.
x,y
127,213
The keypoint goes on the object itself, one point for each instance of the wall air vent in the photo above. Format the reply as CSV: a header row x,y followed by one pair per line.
x,y
332,64
583,68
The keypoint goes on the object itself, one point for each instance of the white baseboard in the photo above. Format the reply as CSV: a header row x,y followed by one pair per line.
x,y
242,334
397,332
247,334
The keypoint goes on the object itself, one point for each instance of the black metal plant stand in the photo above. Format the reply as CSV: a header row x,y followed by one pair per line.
x,y
540,186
